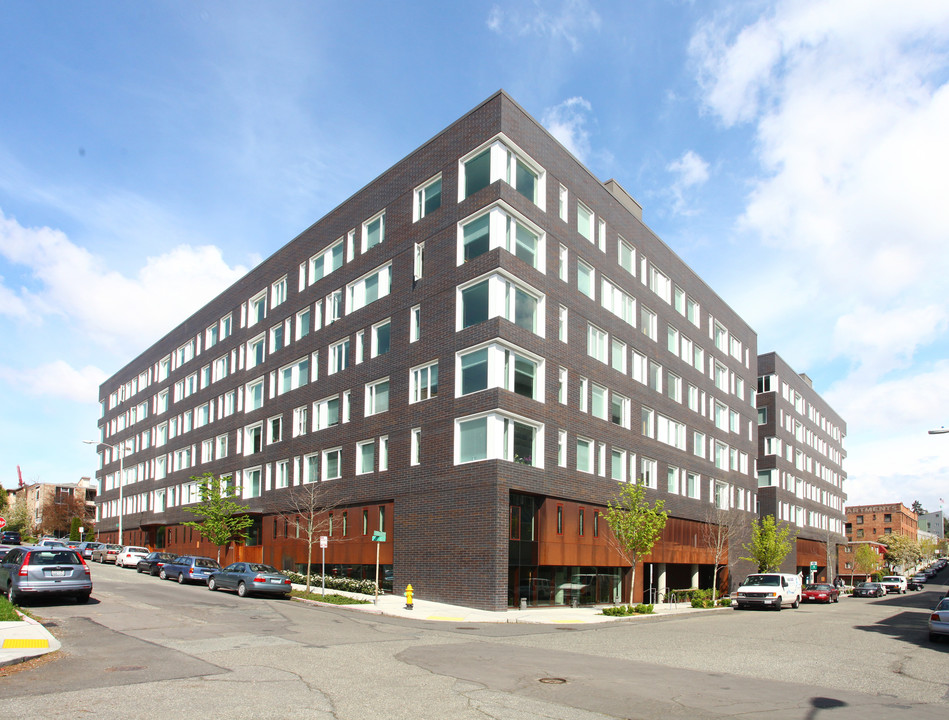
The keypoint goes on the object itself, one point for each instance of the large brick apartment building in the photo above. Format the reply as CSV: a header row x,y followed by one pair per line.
x,y
468,354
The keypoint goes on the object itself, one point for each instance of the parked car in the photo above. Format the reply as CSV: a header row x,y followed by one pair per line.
x,y
920,578
85,549
939,620
820,592
189,567
250,578
153,562
10,537
913,584
769,590
894,584
129,556
106,553
38,571
51,542
869,589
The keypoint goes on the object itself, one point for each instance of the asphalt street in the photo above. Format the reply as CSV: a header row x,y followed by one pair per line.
x,y
145,647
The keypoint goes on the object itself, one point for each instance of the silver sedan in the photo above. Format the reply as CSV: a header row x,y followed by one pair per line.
x,y
250,578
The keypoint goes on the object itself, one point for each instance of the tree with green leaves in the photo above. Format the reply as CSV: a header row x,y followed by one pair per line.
x,y
902,552
636,525
224,520
918,508
769,544
18,518
4,500
866,561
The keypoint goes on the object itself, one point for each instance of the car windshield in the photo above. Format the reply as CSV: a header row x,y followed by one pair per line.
x,y
762,580
943,604
257,567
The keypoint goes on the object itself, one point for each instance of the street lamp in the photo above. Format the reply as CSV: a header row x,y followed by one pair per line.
x,y
939,431
121,451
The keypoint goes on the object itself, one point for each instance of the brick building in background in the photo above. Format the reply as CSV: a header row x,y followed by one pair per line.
x,y
468,354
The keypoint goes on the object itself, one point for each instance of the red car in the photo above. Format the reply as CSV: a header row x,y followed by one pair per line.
x,y
820,592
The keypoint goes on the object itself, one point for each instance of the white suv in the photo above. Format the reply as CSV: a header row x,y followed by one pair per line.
x,y
894,584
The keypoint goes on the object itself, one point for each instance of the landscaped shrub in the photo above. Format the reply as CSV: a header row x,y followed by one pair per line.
x,y
725,601
623,610
366,587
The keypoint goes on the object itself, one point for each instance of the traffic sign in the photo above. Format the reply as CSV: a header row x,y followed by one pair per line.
x,y
324,541
378,536
813,566
3,523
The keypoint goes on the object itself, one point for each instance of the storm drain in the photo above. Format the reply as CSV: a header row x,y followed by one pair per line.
x,y
553,681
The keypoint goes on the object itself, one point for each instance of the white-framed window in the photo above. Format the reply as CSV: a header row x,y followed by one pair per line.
x,y
618,465
383,453
202,415
499,365
601,234
563,267
563,199
328,412
672,480
380,338
182,355
500,226
278,292
253,439
692,311
585,221
599,401
501,436
501,159
423,382
292,376
562,386
660,284
311,468
282,474
678,299
304,321
586,279
648,422
584,392
499,295
338,356
670,432
300,421
598,344
418,260
674,387
618,355
647,323
274,429
220,446
365,457
672,340
618,302
332,464
164,368
626,256
254,396
277,338
334,306
648,472
252,483
563,324
161,402
620,410
585,453
562,448
693,485
377,397
256,351
325,262
415,323
369,288
257,308
415,449
428,198
219,368
211,336
373,232
698,444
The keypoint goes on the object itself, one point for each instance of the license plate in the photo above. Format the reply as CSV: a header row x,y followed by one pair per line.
x,y
273,580
58,573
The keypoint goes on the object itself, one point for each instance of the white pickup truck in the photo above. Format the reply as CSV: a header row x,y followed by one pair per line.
x,y
894,584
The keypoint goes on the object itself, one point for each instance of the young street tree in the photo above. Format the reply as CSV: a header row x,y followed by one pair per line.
x,y
769,545
636,525
722,530
865,561
901,552
304,508
224,520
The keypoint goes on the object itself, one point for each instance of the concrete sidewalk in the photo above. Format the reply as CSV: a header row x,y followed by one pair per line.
x,y
23,640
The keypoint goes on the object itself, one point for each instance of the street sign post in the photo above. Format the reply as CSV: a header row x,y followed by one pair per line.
x,y
378,537
324,541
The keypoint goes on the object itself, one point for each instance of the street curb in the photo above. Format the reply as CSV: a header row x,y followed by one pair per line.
x,y
29,656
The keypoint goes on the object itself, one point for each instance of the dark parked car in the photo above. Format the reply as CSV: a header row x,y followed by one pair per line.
x,y
10,537
189,567
250,578
869,589
820,592
153,562
37,571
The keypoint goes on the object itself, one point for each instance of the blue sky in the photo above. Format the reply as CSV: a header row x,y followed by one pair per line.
x,y
793,153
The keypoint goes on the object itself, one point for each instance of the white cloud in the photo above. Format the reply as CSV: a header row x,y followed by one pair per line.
x,y
116,311
566,21
692,171
567,123
57,379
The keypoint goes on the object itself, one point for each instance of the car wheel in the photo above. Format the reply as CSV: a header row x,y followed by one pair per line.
x,y
796,604
241,589
82,598
181,578
138,569
778,606
163,575
12,595
933,637
212,585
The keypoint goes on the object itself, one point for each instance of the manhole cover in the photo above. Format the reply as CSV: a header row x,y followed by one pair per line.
x,y
567,629
50,623
125,668
553,681
462,627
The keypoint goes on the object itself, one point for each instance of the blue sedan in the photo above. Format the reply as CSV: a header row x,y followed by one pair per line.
x,y
189,567
250,578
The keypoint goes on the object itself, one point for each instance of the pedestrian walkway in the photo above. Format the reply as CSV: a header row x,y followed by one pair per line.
x,y
23,640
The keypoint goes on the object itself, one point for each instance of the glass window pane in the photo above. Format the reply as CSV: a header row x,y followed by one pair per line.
x,y
476,237
525,310
526,181
524,376
473,439
526,245
474,372
433,196
477,172
475,304
523,443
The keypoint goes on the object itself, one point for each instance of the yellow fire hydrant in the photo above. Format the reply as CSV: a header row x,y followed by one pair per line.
x,y
408,597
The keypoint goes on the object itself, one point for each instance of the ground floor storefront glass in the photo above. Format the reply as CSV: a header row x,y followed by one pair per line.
x,y
564,585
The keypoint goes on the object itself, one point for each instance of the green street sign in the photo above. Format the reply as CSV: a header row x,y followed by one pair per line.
x,y
378,536
813,566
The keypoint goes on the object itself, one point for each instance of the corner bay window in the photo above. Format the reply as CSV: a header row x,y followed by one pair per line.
x,y
501,366
499,296
499,228
498,436
499,161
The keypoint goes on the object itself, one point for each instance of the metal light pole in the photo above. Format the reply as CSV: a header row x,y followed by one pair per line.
x,y
939,431
121,451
